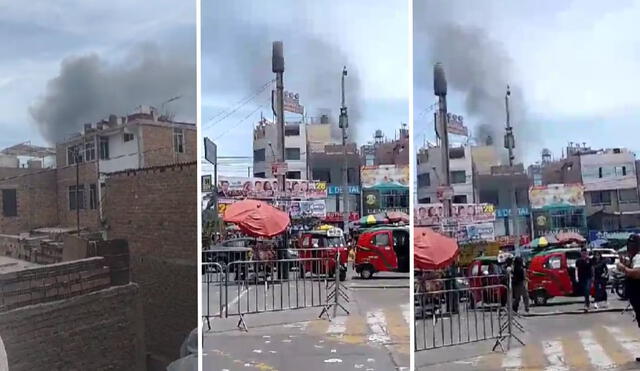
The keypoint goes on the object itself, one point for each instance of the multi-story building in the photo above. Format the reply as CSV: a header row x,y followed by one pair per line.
x,y
75,188
327,165
383,151
430,176
27,155
265,139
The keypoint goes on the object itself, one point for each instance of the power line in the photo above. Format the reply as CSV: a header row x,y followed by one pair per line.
x,y
210,123
239,122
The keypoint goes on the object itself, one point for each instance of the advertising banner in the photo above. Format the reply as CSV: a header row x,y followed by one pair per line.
x,y
334,216
612,235
373,176
296,209
556,195
267,188
432,214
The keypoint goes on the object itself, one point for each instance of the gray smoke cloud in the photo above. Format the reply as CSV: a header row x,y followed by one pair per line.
x,y
88,88
476,66
237,59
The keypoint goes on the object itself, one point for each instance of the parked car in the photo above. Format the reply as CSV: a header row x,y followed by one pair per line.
x,y
384,249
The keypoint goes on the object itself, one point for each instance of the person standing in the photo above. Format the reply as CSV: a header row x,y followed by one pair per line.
x,y
631,270
600,278
519,285
584,266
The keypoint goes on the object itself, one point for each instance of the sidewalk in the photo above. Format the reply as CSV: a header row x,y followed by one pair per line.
x,y
572,305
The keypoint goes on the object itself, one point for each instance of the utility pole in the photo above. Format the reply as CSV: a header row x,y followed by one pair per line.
x,y
509,144
344,124
277,66
77,158
440,90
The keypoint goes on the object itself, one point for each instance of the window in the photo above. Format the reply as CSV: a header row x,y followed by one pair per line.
x,y
93,197
259,175
128,137
426,200
76,203
74,154
620,170
424,180
292,130
292,153
258,155
628,195
322,175
599,172
459,176
554,262
537,179
351,175
293,175
104,148
369,160
90,151
380,239
394,199
9,203
460,199
178,140
489,196
601,198
457,152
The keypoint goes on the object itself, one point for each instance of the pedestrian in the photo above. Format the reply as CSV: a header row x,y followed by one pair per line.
x,y
600,278
584,266
519,285
631,270
452,296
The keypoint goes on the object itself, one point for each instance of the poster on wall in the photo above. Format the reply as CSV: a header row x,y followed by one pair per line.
x,y
296,209
267,188
432,214
372,176
556,195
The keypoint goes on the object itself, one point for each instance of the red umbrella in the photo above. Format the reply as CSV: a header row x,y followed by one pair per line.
x,y
257,218
397,216
568,237
433,250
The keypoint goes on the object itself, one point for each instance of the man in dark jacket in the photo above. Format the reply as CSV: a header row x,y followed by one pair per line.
x,y
584,265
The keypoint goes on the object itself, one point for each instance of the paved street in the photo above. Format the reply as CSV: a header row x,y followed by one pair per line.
x,y
375,336
604,340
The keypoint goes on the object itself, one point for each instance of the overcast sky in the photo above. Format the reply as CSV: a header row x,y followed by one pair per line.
x,y
109,39
573,63
370,38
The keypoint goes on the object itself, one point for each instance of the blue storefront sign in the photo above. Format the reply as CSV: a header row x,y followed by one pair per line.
x,y
613,235
336,190
505,213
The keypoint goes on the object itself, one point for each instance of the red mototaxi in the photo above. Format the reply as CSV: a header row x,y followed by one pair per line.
x,y
328,243
382,249
486,271
552,273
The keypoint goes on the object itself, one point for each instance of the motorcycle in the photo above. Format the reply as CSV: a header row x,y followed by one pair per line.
x,y
618,285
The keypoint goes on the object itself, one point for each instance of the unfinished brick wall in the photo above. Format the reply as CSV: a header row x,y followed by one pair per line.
x,y
155,211
52,282
36,194
158,146
101,330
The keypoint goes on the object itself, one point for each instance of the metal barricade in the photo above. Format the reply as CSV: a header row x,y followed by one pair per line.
x,y
455,311
213,281
246,287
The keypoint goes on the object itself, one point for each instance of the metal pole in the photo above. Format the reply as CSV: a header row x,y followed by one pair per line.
x,y
509,144
77,155
344,123
440,90
278,69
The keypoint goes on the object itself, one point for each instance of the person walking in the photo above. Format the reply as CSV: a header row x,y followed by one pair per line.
x,y
519,285
584,266
631,270
600,278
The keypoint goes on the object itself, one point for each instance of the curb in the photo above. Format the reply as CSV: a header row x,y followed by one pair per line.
x,y
378,287
580,311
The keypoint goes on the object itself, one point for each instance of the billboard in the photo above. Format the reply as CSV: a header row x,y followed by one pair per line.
x,y
475,233
556,195
296,209
210,151
267,188
372,176
207,183
432,214
292,102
